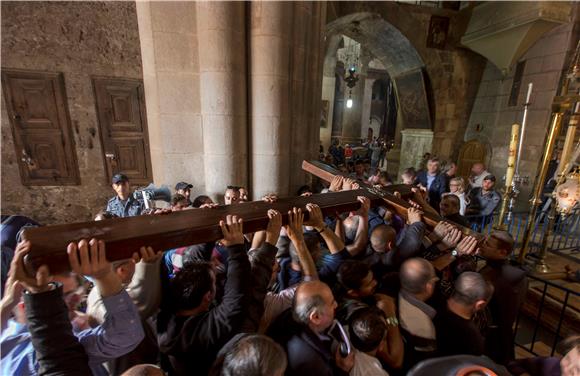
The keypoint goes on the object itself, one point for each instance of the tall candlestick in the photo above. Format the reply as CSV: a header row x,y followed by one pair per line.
x,y
522,134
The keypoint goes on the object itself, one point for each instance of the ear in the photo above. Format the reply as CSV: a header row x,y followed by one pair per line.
x,y
208,297
315,317
479,305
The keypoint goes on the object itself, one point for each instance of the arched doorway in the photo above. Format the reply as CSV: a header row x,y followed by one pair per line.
x,y
400,61
471,152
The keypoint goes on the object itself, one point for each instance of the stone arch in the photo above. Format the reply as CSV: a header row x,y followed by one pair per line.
x,y
406,68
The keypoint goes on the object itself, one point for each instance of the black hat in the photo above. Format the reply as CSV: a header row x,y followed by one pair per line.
x,y
490,177
119,178
182,185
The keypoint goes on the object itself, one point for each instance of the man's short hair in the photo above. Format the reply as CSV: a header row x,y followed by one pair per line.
x,y
433,159
452,197
367,329
233,188
200,200
358,162
352,273
504,239
304,189
177,198
415,273
190,284
381,235
312,242
256,355
470,287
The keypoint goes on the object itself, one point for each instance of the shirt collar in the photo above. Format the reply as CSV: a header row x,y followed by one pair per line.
x,y
424,307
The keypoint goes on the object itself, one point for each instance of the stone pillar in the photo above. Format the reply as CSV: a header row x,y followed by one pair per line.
x,y
270,118
286,76
168,38
366,109
222,64
415,143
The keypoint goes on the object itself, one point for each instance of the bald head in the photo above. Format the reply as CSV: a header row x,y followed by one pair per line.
x,y
478,168
415,274
314,305
383,238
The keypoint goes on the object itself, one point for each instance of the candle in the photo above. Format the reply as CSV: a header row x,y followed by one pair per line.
x,y
512,153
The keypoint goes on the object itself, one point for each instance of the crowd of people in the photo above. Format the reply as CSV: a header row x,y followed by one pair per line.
x,y
356,293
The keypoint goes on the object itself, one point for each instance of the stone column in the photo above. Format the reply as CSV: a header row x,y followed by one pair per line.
x,y
168,38
415,143
222,64
270,114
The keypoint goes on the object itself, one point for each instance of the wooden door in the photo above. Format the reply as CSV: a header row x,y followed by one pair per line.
x,y
40,122
123,128
471,152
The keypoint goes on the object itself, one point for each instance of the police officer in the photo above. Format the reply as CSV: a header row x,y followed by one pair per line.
x,y
184,189
124,204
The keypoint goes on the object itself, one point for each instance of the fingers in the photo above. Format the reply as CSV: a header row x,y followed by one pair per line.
x,y
83,251
73,259
94,251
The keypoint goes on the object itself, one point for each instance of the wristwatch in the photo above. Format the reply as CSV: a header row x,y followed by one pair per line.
x,y
392,321
455,252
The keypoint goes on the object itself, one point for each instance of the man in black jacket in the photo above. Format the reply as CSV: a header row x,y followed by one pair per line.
x,y
194,333
510,285
310,349
433,181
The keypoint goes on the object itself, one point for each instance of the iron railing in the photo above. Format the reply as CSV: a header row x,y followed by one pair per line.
x,y
542,327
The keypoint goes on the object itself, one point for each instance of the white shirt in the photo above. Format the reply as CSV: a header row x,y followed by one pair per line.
x,y
366,365
477,181
462,202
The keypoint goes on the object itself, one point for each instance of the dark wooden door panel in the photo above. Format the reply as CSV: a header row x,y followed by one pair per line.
x,y
44,146
123,125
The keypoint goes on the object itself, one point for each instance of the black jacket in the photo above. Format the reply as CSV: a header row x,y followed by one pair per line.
x,y
510,288
57,349
191,343
437,188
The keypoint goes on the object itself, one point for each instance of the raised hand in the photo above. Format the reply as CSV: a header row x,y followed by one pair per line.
x,y
365,206
36,284
336,184
232,231
294,227
413,215
442,229
452,238
347,184
274,226
315,218
270,198
467,246
209,206
147,255
89,258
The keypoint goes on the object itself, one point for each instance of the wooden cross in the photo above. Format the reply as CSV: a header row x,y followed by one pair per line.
x,y
125,236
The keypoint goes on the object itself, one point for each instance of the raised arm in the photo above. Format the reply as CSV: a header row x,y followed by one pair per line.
x,y
294,231
58,350
316,220
362,236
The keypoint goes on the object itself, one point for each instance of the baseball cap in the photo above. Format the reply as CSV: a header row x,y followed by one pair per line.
x,y
119,178
182,185
490,177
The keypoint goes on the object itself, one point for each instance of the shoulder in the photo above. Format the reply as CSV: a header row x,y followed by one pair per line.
x,y
113,200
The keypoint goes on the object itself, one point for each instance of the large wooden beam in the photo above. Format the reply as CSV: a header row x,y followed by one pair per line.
x,y
396,204
124,236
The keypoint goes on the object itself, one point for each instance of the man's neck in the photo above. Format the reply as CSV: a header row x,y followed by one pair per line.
x,y
459,309
432,173
122,197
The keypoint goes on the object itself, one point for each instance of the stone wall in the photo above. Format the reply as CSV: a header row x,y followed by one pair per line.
x,y
79,39
545,62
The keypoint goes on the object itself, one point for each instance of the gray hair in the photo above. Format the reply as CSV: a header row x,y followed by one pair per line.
x,y
304,309
256,355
